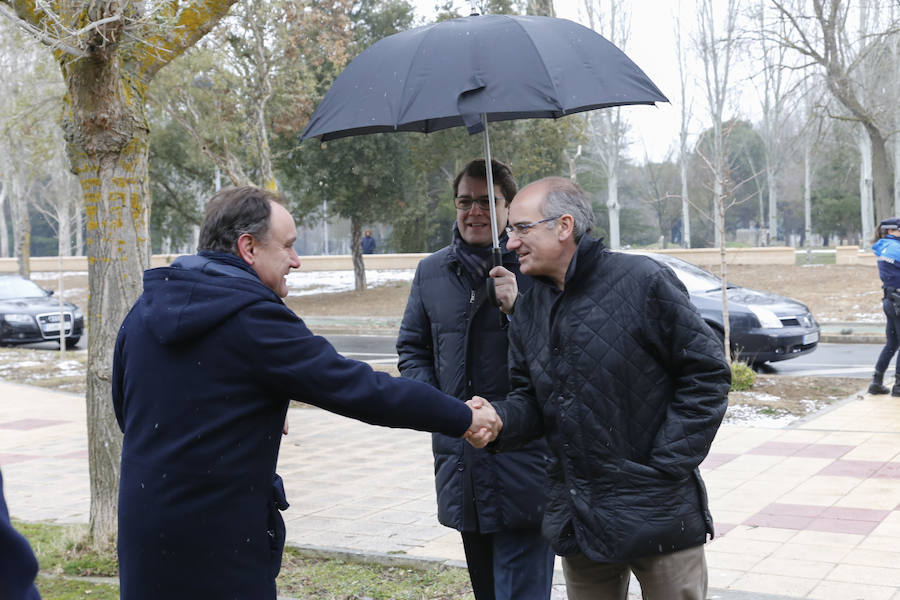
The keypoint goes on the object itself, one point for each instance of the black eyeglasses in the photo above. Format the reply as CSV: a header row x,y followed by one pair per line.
x,y
464,203
523,229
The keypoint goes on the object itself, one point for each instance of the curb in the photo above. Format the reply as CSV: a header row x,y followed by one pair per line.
x,y
850,338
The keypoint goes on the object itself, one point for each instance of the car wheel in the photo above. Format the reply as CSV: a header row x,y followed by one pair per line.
x,y
72,342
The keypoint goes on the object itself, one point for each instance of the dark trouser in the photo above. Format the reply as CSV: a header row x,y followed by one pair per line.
x,y
509,565
892,333
677,576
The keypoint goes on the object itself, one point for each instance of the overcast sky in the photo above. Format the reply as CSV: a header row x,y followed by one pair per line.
x,y
651,45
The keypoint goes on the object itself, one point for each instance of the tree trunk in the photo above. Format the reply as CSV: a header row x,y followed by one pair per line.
x,y
64,232
108,143
865,186
4,235
881,175
726,326
612,205
21,225
685,204
773,203
359,268
807,201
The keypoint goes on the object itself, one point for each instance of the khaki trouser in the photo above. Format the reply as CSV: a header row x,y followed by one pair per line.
x,y
680,575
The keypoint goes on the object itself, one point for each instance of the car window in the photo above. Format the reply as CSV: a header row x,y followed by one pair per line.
x,y
14,287
695,279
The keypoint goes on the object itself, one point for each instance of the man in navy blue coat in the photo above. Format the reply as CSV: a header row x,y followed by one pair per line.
x,y
205,365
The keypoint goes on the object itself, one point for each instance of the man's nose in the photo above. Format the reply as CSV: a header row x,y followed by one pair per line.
x,y
513,242
477,209
295,259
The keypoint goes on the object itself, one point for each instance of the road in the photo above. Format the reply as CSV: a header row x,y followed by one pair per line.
x,y
829,360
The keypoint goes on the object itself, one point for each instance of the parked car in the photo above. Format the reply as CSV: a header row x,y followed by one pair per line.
x,y
765,327
29,314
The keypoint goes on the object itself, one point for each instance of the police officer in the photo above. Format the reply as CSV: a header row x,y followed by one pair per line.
x,y
886,247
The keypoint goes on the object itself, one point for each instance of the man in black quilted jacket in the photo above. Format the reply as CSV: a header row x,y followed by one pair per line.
x,y
612,365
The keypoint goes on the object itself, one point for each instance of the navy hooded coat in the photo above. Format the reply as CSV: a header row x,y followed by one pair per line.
x,y
205,365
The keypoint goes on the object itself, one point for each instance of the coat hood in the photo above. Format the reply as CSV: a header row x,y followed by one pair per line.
x,y
196,294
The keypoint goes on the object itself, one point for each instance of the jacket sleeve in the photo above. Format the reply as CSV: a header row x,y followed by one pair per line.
x,y
701,377
520,412
295,364
415,346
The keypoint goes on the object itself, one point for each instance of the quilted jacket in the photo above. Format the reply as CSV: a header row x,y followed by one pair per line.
x,y
453,339
628,385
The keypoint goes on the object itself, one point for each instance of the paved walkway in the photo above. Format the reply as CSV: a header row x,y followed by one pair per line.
x,y
811,511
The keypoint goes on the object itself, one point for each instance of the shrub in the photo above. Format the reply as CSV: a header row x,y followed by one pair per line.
x,y
742,376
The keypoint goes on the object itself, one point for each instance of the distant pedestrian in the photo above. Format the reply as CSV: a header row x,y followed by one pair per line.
x,y
886,246
368,242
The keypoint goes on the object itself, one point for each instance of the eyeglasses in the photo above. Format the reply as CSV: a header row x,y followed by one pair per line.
x,y
464,203
523,229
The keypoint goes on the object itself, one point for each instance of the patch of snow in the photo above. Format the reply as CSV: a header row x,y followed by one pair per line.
x,y
52,275
326,282
753,416
760,396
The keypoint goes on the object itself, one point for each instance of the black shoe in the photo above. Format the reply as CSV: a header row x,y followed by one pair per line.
x,y
878,390
895,391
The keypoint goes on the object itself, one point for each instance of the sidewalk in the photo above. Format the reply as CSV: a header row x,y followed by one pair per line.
x,y
811,511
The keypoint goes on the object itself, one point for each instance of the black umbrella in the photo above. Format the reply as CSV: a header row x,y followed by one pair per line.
x,y
477,69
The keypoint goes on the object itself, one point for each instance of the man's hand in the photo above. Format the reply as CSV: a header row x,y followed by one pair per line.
x,y
486,423
505,288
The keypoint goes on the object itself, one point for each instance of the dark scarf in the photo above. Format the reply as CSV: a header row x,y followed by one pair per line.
x,y
476,260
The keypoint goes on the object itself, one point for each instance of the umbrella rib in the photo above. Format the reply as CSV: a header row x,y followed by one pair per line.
x,y
543,64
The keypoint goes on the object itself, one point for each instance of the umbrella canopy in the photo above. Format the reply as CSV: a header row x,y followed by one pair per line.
x,y
501,66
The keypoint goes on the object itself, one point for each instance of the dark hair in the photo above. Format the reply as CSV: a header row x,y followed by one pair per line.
x,y
564,196
232,212
502,176
884,227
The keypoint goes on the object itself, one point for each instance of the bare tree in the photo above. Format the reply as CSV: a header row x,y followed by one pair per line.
x,y
607,128
4,234
684,153
775,94
717,54
108,53
824,37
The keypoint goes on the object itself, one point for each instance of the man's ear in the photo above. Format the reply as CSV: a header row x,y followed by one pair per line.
x,y
566,227
246,244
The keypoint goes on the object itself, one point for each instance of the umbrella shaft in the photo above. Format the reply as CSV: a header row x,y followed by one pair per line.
x,y
495,242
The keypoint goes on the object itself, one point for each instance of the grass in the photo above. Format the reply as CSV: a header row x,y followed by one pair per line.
x,y
65,561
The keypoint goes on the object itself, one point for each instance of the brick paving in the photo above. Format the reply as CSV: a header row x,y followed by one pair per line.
x,y
811,511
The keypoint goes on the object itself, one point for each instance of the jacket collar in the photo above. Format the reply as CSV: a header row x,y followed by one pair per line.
x,y
587,253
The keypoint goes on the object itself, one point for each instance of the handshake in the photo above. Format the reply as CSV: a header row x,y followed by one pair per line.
x,y
486,423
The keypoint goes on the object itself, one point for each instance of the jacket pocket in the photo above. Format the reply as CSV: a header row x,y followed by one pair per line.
x,y
276,529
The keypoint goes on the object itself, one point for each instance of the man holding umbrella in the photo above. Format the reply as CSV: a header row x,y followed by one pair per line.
x,y
453,338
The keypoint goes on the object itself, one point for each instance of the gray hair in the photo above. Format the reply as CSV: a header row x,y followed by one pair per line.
x,y
566,197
